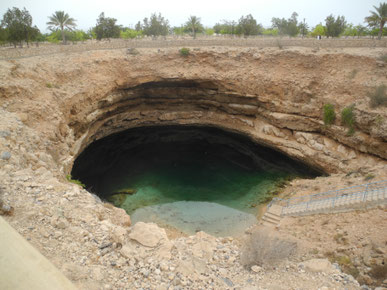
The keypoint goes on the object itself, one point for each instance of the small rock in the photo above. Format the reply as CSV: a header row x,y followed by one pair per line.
x,y
61,225
5,155
119,234
256,269
6,209
228,282
5,134
164,267
144,272
222,271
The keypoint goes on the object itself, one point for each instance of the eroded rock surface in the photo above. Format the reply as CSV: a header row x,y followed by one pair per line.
x,y
52,107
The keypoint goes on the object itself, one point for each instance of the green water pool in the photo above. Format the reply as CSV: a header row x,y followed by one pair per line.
x,y
186,179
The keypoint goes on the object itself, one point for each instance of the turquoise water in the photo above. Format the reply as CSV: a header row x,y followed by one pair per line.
x,y
192,179
192,192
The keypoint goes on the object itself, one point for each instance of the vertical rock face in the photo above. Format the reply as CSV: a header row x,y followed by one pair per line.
x,y
274,97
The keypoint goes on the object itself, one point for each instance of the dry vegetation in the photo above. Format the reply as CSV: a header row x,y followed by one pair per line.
x,y
264,247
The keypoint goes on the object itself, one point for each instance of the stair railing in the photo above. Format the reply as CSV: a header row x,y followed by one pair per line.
x,y
351,193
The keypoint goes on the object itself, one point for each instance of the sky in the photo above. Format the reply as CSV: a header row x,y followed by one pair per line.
x,y
129,12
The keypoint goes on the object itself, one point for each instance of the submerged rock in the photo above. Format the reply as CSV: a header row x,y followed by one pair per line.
x,y
128,191
194,216
118,197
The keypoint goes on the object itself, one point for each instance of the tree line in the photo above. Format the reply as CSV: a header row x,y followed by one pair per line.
x,y
17,28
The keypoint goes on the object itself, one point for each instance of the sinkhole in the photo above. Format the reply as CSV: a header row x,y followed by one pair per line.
x,y
191,178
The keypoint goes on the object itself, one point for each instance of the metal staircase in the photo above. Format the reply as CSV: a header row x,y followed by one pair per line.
x,y
335,200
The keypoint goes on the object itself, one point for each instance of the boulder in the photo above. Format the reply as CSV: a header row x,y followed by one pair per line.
x,y
119,217
119,234
148,234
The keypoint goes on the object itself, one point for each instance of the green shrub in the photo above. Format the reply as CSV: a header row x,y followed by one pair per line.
x,y
329,114
369,176
51,85
348,119
344,262
383,57
132,51
75,181
184,51
378,97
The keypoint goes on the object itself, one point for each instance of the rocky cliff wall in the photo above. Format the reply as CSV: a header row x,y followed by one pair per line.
x,y
273,96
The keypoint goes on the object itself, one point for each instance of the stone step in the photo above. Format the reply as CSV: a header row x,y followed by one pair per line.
x,y
270,219
269,223
275,209
272,216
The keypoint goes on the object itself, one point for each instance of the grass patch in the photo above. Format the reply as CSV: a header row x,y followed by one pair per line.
x,y
378,97
51,86
340,239
184,51
75,181
329,114
313,251
383,57
348,119
369,176
378,121
344,262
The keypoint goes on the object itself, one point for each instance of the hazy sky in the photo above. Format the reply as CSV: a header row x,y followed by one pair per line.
x,y
210,11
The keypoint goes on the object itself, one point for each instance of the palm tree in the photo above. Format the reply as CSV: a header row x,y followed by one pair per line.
x,y
61,20
378,17
194,25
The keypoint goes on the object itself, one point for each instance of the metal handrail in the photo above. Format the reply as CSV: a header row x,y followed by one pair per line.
x,y
362,189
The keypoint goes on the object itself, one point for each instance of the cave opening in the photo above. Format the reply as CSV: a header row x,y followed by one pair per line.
x,y
190,178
